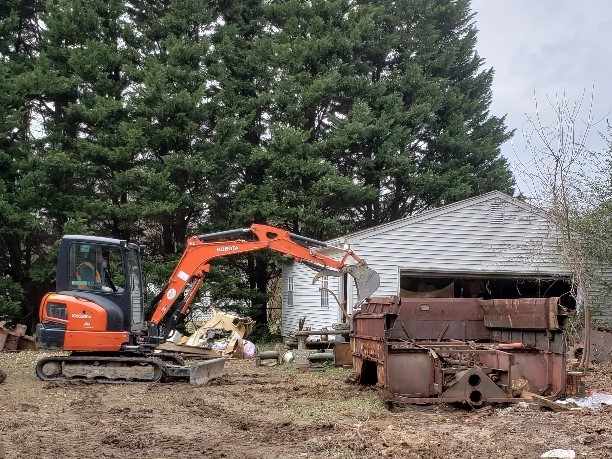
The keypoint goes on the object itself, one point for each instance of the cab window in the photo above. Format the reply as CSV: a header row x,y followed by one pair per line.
x,y
96,267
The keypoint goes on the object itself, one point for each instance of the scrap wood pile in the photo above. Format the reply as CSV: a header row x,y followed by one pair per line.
x,y
15,339
223,335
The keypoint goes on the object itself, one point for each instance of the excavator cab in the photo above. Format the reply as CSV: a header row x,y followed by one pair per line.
x,y
99,297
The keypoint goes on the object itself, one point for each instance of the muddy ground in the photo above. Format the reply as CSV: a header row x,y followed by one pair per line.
x,y
274,412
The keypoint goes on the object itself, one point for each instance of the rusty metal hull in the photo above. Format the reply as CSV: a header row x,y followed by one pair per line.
x,y
460,350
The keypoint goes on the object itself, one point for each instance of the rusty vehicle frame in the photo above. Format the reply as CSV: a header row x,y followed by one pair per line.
x,y
434,350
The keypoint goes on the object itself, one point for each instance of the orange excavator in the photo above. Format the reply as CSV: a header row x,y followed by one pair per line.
x,y
97,312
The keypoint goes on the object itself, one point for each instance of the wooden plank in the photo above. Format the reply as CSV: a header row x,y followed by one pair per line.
x,y
550,404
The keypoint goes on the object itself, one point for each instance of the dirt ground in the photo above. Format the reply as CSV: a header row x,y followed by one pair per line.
x,y
274,412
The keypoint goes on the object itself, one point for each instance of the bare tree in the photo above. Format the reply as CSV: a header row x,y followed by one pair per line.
x,y
561,175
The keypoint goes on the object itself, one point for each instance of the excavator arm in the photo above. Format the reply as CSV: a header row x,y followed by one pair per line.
x,y
201,250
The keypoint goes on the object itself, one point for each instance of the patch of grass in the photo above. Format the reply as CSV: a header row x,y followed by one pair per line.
x,y
353,407
336,453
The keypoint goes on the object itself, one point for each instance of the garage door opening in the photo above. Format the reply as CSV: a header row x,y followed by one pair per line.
x,y
489,288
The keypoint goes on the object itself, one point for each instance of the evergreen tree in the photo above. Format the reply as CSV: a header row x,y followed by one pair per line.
x,y
240,72
417,128
157,119
312,51
88,151
175,172
20,232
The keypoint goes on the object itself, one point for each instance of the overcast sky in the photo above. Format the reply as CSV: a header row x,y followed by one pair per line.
x,y
550,47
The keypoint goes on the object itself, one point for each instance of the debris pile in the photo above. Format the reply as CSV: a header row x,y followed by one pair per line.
x,y
223,335
15,339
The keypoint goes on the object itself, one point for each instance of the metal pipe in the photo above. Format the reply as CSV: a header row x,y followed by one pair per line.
x,y
321,356
307,240
222,234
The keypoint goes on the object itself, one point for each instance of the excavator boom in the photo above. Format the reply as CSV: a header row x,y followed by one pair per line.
x,y
201,250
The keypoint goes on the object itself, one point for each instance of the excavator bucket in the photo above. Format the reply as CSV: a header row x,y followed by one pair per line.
x,y
367,280
203,371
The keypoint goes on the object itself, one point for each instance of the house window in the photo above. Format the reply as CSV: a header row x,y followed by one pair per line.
x,y
290,291
324,292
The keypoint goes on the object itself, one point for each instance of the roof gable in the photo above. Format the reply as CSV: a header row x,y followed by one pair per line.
x,y
493,196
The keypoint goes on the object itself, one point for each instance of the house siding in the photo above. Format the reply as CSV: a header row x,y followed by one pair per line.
x,y
466,241
601,296
307,300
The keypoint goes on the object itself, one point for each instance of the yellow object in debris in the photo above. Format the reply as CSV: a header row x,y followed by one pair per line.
x,y
239,327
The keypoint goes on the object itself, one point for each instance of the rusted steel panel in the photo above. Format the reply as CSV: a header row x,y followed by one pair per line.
x,y
371,371
553,341
358,366
545,372
342,354
372,326
368,349
448,309
439,330
473,386
385,305
418,365
523,313
440,319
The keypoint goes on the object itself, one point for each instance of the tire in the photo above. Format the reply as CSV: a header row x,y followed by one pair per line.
x,y
2,376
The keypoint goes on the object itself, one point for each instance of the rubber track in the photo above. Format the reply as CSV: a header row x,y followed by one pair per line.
x,y
159,368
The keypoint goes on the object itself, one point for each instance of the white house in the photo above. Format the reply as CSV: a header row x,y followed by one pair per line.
x,y
491,246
